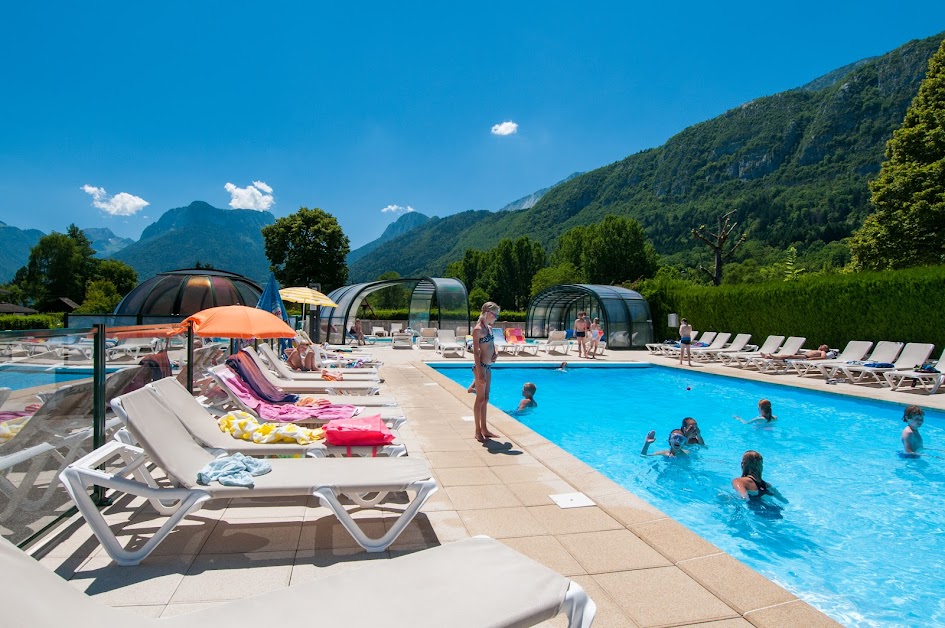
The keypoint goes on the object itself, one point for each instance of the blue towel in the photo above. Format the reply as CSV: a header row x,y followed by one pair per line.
x,y
235,470
880,365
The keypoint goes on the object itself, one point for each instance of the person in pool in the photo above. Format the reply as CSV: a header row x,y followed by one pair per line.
x,y
764,414
691,430
750,485
563,368
676,441
528,398
911,439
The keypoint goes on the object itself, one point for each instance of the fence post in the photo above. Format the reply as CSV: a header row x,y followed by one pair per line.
x,y
98,402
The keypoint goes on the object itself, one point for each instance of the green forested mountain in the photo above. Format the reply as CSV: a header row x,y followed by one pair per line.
x,y
226,239
794,165
408,221
15,245
105,242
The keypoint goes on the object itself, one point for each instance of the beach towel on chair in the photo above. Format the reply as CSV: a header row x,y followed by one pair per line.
x,y
244,426
235,470
249,372
368,430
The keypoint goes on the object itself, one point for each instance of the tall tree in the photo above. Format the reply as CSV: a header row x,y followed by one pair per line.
x,y
908,228
122,276
617,251
308,246
515,264
720,243
59,265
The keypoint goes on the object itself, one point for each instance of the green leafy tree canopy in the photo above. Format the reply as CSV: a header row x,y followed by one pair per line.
x,y
308,246
908,228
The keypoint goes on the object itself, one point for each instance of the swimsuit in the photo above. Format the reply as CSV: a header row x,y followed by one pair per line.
x,y
487,338
579,334
686,340
761,484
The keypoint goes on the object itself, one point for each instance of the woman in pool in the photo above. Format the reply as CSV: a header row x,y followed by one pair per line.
x,y
764,415
676,441
911,439
484,356
750,485
691,431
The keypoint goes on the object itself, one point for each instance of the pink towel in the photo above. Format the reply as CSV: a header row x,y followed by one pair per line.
x,y
282,412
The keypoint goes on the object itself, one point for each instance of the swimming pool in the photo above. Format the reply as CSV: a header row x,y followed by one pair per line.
x,y
863,535
19,376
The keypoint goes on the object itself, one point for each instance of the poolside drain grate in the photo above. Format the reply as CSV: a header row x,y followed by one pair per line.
x,y
572,500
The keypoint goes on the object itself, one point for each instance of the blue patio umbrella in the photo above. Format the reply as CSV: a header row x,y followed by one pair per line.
x,y
271,301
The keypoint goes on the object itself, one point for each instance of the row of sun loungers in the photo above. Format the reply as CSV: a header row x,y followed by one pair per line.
x,y
167,429
890,364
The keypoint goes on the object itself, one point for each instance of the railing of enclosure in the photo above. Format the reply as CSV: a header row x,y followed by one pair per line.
x,y
55,386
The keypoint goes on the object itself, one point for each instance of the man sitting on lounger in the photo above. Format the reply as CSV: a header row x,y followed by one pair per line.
x,y
822,352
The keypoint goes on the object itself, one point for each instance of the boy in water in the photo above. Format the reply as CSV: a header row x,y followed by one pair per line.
x,y
911,439
676,441
528,402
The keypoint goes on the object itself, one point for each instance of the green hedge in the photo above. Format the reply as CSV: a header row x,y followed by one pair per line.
x,y
904,305
17,322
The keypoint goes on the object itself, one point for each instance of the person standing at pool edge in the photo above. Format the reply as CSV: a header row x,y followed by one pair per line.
x,y
484,356
581,325
685,341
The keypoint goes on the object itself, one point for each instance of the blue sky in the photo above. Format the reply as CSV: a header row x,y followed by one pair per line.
x,y
108,106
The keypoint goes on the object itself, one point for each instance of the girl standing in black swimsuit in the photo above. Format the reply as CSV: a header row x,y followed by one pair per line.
x,y
484,356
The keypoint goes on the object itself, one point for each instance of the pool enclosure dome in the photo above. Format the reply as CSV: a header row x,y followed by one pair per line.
x,y
187,291
624,314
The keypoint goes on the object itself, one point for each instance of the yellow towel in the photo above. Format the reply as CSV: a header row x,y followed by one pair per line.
x,y
9,429
245,426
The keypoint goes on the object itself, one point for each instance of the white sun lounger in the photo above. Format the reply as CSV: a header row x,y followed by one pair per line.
x,y
855,350
202,425
707,354
446,343
776,363
708,338
268,358
930,382
656,348
426,589
885,351
314,386
169,446
741,358
913,354
556,341
222,375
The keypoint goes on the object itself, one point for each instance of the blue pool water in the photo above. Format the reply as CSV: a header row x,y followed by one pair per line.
x,y
863,535
19,376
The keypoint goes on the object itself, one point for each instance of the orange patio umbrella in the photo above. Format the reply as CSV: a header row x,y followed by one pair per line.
x,y
238,321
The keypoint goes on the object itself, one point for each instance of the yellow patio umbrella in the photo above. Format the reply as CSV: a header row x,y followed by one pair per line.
x,y
307,296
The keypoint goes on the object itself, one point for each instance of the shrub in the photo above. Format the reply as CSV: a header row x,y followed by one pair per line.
x,y
17,322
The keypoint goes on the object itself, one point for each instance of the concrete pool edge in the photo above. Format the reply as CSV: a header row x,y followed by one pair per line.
x,y
746,592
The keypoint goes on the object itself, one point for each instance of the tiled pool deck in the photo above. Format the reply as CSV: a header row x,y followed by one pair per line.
x,y
640,567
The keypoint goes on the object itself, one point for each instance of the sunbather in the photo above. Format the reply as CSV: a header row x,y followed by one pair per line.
x,y
676,441
302,358
822,352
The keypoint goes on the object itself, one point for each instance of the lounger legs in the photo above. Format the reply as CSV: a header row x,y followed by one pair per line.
x,y
578,606
329,499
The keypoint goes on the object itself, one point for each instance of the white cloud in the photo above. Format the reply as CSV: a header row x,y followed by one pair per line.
x,y
257,196
505,128
397,208
122,204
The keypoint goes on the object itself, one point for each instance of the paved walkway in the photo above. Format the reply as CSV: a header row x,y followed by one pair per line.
x,y
639,566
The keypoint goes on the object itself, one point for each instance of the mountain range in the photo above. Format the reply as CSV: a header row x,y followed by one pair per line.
x,y
795,166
